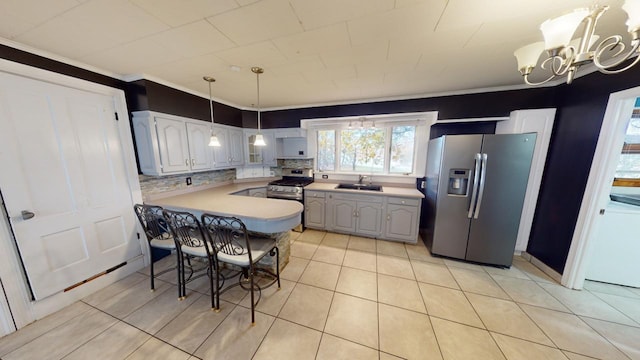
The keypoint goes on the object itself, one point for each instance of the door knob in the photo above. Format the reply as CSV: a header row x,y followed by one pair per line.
x,y
26,215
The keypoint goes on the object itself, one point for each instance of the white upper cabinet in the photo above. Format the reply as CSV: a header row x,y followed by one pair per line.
x,y
230,152
221,155
236,146
198,135
169,144
291,143
260,155
283,133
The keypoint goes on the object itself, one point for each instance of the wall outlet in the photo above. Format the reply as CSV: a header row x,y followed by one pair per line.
x,y
325,176
188,180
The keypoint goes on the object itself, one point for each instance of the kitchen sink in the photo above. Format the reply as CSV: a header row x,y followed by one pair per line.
x,y
359,187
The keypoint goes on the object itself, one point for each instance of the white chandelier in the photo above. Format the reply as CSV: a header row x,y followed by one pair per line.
x,y
565,56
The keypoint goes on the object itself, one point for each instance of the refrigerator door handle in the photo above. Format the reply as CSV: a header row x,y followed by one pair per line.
x,y
483,176
474,187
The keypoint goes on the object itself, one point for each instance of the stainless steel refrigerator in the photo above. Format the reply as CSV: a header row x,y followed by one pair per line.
x,y
474,193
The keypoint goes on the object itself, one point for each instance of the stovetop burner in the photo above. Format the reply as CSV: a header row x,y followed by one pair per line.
x,y
292,181
294,177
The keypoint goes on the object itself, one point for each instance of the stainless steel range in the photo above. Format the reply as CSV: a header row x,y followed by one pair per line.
x,y
292,184
291,187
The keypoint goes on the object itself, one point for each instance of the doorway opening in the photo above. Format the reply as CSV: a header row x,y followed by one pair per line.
x,y
597,193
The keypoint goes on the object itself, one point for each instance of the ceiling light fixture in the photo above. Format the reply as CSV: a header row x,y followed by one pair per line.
x,y
565,56
213,140
259,138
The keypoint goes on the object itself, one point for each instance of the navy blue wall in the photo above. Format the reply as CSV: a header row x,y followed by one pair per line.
x,y
581,108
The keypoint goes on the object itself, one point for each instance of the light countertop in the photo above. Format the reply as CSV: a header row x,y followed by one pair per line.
x,y
258,214
386,190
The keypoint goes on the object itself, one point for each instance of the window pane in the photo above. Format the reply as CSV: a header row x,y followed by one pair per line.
x,y
362,150
629,163
326,150
628,166
402,145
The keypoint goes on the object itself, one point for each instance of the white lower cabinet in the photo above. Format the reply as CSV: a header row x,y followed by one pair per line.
x,y
258,192
354,213
368,215
343,214
402,219
314,209
380,216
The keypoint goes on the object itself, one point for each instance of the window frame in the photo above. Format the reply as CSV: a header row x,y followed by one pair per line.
x,y
422,122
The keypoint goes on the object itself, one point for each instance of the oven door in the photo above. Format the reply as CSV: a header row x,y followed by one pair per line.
x,y
294,197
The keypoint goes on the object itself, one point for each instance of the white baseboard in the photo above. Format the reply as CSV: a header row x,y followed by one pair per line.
x,y
542,266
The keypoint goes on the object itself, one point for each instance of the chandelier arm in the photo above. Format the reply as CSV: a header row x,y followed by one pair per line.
x,y
609,44
559,65
526,80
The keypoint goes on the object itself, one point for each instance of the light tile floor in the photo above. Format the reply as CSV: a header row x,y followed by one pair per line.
x,y
348,297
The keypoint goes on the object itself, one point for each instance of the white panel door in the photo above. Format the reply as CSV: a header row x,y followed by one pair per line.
x,y
62,160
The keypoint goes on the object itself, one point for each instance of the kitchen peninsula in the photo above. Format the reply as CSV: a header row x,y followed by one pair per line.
x,y
272,217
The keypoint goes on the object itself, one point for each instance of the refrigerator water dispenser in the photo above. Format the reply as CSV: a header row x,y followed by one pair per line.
x,y
458,182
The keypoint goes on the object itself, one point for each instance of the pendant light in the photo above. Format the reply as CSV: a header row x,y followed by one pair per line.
x,y
259,138
213,140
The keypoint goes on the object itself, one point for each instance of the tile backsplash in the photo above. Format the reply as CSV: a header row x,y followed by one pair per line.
x,y
152,185
296,163
159,184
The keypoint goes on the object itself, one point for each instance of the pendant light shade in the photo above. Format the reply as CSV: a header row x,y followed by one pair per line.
x,y
213,140
259,138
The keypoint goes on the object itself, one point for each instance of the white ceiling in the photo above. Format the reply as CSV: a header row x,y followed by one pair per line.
x,y
313,51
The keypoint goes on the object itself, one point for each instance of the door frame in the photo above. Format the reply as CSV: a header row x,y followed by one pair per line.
x,y
17,301
596,194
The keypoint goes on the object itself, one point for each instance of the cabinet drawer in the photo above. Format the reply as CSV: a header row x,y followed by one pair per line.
x,y
358,197
403,201
314,194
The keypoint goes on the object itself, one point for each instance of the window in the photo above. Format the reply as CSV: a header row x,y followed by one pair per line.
x,y
362,150
326,150
402,149
381,150
628,169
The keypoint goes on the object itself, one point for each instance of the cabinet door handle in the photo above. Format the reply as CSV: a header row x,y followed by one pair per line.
x,y
388,217
193,162
186,162
354,214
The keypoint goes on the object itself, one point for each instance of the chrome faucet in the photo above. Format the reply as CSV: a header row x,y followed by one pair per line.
x,y
361,178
